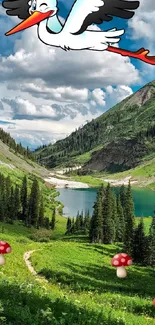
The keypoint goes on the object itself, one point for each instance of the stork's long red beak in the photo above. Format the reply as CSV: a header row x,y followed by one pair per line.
x,y
34,19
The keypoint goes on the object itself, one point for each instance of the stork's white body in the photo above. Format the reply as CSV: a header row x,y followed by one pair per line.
x,y
89,40
77,32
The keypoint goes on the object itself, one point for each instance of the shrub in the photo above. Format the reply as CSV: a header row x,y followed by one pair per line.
x,y
41,236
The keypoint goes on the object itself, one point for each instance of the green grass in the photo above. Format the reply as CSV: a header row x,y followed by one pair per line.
x,y
83,288
90,180
85,276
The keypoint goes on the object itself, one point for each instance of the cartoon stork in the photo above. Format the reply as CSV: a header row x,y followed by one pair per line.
x,y
74,35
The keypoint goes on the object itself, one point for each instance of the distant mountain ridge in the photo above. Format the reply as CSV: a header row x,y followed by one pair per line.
x,y
117,140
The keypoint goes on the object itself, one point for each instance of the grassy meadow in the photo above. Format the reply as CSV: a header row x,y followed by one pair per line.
x,y
83,287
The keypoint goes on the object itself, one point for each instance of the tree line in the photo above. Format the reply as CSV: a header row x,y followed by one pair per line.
x,y
23,203
79,225
18,148
113,221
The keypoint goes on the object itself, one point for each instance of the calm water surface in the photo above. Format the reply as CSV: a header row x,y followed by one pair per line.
x,y
83,199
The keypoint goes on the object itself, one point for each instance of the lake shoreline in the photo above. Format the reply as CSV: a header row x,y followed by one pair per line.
x,y
63,182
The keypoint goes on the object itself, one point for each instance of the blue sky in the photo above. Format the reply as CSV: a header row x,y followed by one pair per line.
x,y
46,93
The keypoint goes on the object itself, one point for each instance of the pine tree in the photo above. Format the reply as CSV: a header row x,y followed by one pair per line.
x,y
11,206
96,224
151,259
129,222
77,222
41,213
8,198
120,226
52,224
114,216
123,196
108,225
46,223
81,221
139,244
24,201
102,192
34,204
87,222
16,202
2,198
68,226
72,226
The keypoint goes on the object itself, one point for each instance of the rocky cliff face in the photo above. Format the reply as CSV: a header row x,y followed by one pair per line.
x,y
118,156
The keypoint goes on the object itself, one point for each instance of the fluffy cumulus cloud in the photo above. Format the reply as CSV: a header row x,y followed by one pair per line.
x,y
48,92
142,24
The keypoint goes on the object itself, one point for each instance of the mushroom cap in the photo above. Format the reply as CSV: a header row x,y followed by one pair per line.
x,y
5,248
153,302
121,259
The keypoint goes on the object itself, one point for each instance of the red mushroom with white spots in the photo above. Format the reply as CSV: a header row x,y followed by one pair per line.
x,y
120,261
5,248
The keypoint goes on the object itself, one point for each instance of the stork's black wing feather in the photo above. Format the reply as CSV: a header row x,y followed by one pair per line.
x,y
119,8
19,8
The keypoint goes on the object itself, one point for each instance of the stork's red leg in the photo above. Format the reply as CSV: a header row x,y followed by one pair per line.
x,y
141,54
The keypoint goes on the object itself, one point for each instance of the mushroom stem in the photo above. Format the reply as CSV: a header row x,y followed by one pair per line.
x,y
2,260
121,272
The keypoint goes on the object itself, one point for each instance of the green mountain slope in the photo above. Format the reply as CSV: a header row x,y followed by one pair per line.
x,y
14,161
17,166
117,140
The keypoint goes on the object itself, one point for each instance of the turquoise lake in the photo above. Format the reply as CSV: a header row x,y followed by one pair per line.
x,y
83,199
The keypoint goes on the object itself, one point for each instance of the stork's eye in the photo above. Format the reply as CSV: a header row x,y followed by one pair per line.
x,y
34,6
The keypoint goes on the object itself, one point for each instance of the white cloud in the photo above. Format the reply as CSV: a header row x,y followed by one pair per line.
x,y
57,68
99,96
117,94
141,26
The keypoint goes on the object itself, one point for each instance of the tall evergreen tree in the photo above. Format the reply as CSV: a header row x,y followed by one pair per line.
x,y
41,213
72,226
34,204
68,226
114,216
123,196
53,220
129,221
87,222
81,221
96,225
120,226
47,223
139,244
11,206
24,201
77,222
151,259
16,202
8,198
108,225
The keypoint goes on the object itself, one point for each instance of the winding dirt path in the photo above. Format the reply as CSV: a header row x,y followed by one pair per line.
x,y
26,258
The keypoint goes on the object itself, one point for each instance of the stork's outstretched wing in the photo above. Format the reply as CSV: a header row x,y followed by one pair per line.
x,y
19,8
86,12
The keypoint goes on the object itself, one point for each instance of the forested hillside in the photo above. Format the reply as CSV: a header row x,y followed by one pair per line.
x,y
127,127
18,148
